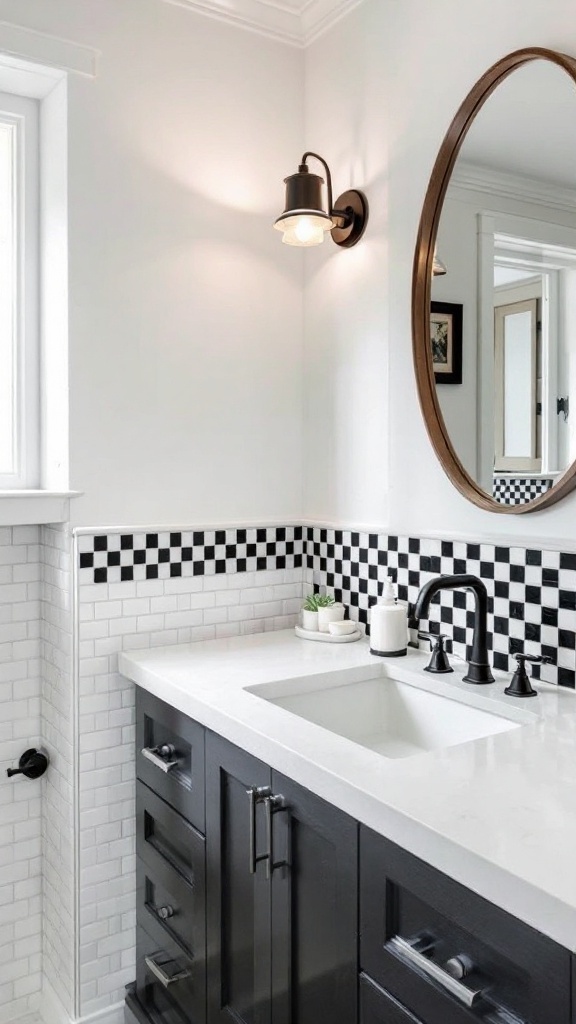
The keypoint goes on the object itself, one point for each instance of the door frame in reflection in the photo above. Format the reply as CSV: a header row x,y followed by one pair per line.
x,y
517,397
545,249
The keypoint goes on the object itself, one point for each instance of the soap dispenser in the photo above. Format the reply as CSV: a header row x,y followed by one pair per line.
x,y
388,624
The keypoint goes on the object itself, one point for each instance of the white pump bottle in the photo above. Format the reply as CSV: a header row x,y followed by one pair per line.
x,y
388,624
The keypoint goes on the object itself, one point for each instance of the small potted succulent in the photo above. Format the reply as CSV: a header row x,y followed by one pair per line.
x,y
310,613
320,609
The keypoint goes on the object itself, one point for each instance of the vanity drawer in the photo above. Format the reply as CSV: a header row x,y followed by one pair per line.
x,y
166,842
517,968
170,756
170,984
379,1007
166,904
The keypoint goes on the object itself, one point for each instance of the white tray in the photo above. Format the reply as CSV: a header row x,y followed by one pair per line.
x,y
327,638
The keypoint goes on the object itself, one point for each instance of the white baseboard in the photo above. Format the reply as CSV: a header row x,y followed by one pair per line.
x,y
111,1015
52,1011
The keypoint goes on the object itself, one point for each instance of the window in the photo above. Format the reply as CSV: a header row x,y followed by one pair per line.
x,y
19,286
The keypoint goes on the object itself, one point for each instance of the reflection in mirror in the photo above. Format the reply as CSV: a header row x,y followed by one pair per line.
x,y
507,236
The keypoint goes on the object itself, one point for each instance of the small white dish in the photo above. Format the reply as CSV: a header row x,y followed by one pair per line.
x,y
327,638
342,628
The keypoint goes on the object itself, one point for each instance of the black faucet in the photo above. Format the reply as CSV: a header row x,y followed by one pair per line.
x,y
478,667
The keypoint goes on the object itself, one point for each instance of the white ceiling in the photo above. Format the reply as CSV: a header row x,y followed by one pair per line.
x,y
297,22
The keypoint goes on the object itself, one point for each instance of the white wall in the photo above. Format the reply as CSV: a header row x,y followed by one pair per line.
x,y
381,92
185,311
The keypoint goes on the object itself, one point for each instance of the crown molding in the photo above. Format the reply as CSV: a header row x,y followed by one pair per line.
x,y
472,178
318,16
296,22
52,51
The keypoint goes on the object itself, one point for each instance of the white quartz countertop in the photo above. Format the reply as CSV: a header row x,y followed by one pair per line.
x,y
497,814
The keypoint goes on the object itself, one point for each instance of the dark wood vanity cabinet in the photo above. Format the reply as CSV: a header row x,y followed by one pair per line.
x,y
282,897
420,929
260,903
255,922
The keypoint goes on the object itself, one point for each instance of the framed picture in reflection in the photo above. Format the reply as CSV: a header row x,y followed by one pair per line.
x,y
446,341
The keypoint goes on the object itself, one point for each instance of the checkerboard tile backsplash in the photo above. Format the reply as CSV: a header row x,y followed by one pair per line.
x,y
532,593
518,490
123,557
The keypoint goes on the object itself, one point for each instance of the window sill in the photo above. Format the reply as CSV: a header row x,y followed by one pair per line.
x,y
23,508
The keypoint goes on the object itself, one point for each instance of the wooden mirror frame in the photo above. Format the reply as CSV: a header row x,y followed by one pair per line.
x,y
422,280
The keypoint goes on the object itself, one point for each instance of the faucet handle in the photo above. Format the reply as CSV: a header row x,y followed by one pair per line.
x,y
534,659
520,685
438,662
435,639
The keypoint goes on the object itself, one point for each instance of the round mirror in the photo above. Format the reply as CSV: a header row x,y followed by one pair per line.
x,y
494,288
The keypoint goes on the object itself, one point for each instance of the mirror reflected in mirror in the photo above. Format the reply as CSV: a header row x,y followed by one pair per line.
x,y
502,294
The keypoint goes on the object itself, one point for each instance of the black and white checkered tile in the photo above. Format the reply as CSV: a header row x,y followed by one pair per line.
x,y
118,557
518,490
532,593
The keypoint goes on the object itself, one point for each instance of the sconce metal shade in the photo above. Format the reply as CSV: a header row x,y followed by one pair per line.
x,y
438,268
305,220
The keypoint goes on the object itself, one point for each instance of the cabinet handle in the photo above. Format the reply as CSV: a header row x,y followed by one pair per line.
x,y
406,950
165,979
256,795
160,756
272,805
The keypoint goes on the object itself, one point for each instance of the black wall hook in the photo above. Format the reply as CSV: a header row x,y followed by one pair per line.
x,y
563,406
32,764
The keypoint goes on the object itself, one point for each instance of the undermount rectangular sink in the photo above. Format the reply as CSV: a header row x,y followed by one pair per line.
x,y
396,719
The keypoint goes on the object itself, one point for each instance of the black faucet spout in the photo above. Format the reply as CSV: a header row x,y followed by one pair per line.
x,y
479,670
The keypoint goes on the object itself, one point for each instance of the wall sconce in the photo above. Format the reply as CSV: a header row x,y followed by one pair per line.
x,y
305,221
438,268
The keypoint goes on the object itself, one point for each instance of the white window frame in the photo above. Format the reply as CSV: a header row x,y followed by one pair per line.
x,y
23,115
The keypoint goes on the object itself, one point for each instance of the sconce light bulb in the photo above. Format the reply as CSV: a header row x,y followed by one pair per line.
x,y
304,228
305,232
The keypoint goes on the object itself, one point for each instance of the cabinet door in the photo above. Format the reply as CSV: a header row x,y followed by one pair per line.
x,y
238,889
314,908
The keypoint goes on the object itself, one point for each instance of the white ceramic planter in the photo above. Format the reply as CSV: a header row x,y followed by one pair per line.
x,y
310,620
334,613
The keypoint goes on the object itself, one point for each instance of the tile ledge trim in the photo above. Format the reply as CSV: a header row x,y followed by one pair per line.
x,y
235,524
542,543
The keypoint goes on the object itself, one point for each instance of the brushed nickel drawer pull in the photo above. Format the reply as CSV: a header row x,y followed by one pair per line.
x,y
272,804
406,950
256,795
162,756
165,979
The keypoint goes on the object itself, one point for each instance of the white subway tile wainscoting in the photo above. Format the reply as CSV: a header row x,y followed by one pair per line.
x,y
20,805
138,590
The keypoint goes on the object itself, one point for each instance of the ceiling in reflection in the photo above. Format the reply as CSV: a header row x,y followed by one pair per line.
x,y
535,148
